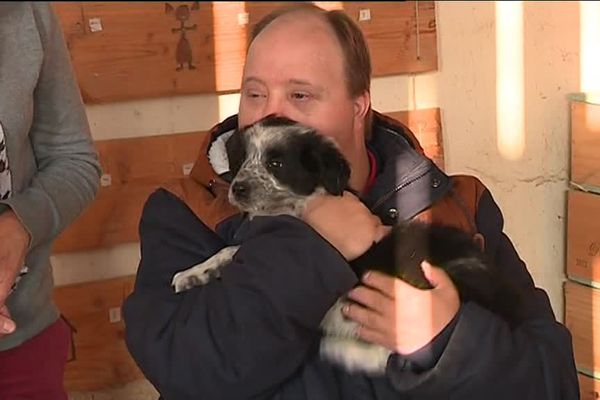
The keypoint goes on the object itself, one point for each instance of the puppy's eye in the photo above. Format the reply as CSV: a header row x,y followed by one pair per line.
x,y
275,164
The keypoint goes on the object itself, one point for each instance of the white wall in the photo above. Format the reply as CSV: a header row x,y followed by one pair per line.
x,y
531,190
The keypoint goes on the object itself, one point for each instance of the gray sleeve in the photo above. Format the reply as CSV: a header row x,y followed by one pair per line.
x,y
68,172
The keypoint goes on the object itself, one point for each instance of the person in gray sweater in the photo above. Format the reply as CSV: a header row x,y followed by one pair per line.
x,y
49,173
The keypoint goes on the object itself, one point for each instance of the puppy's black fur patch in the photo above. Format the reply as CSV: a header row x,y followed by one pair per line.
x,y
236,151
303,162
475,277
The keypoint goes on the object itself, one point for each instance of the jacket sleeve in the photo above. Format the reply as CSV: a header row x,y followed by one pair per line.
x,y
484,357
68,173
240,336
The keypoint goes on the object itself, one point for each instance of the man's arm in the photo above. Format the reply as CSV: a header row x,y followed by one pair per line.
x,y
483,357
68,170
244,334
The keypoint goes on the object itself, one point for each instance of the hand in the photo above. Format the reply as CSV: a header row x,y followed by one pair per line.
x,y
13,246
346,223
7,325
398,316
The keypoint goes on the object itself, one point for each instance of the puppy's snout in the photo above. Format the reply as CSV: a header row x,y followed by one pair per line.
x,y
240,190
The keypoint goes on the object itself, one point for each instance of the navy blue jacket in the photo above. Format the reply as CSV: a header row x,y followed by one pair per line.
x,y
254,333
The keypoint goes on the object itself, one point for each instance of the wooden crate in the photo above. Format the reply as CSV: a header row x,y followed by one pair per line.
x,y
583,236
582,306
585,144
127,50
589,388
100,359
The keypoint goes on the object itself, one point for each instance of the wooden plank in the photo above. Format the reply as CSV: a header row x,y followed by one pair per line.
x,y
71,17
101,359
125,50
585,144
129,51
133,168
589,387
138,166
581,318
583,236
391,34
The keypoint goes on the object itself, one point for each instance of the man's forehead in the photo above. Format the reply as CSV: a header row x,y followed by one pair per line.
x,y
297,29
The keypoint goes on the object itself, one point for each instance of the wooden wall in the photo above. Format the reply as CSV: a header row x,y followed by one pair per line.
x,y
125,50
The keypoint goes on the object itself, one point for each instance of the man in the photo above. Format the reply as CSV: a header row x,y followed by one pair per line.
x,y
254,333
49,173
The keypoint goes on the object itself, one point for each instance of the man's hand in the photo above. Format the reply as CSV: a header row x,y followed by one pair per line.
x,y
13,246
346,223
401,317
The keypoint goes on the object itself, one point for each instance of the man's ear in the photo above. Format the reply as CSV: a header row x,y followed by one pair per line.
x,y
334,170
236,151
362,104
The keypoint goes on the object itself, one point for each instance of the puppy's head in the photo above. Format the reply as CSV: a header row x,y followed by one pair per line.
x,y
278,164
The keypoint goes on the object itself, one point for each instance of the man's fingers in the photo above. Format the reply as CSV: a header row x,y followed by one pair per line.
x,y
436,276
382,282
365,317
370,298
372,336
6,324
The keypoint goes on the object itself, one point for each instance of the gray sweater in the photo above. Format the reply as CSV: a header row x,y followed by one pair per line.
x,y
53,165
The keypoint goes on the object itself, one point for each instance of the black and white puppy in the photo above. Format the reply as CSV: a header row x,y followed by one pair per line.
x,y
279,165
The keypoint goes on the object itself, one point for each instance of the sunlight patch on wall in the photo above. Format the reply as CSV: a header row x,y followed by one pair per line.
x,y
228,105
510,72
590,45
230,26
330,5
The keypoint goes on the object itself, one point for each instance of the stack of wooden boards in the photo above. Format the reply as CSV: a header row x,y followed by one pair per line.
x,y
582,290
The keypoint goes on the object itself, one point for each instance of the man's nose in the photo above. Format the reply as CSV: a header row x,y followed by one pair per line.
x,y
275,106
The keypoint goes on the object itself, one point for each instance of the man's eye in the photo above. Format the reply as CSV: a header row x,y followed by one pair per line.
x,y
253,94
275,164
300,96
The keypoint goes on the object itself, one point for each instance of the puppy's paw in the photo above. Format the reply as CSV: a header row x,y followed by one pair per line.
x,y
196,276
355,355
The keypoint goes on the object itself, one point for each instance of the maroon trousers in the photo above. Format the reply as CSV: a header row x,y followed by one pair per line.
x,y
34,370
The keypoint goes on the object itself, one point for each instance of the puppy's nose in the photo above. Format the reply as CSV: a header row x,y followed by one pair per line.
x,y
240,190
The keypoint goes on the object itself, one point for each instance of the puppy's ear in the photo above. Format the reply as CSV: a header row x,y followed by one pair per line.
x,y
332,168
236,151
